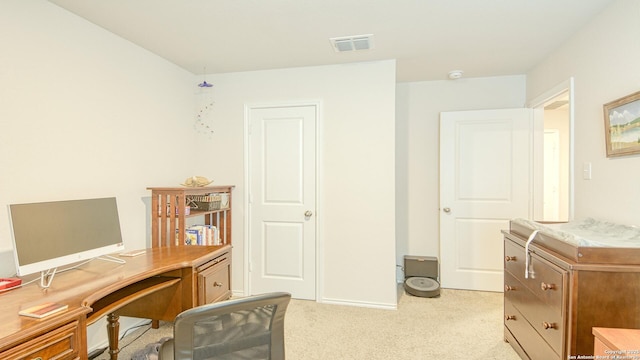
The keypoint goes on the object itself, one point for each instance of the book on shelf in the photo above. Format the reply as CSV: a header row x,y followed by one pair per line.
x,y
192,237
201,235
42,310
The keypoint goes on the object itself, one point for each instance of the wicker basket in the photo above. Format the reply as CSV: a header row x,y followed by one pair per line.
x,y
204,202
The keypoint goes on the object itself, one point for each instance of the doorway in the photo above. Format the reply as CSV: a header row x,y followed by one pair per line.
x,y
553,154
484,182
281,207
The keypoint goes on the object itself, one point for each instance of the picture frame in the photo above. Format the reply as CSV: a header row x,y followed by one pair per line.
x,y
622,125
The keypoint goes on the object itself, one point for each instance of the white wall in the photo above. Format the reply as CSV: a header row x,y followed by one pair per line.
x,y
86,114
603,58
357,177
89,114
417,122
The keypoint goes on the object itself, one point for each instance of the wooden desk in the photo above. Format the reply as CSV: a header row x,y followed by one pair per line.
x,y
611,342
157,285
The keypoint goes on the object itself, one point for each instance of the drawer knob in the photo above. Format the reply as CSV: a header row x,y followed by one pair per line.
x,y
548,325
545,286
509,288
509,317
217,284
509,258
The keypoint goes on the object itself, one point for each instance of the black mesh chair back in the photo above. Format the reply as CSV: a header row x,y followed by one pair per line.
x,y
245,328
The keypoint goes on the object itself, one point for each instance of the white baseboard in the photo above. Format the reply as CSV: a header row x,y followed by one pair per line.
x,y
359,303
237,293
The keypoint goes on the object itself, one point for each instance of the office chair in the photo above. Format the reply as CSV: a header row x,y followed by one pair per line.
x,y
245,328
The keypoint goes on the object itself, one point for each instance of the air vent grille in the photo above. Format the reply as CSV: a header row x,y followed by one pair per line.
x,y
352,43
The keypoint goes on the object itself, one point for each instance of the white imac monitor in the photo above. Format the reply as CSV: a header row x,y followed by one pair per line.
x,y
48,235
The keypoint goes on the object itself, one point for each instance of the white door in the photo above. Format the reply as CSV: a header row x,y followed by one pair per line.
x,y
282,200
484,182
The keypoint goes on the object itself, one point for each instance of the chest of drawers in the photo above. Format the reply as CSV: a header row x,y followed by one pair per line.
x,y
534,303
549,312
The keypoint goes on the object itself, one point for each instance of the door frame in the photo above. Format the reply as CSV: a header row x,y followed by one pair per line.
x,y
246,238
537,141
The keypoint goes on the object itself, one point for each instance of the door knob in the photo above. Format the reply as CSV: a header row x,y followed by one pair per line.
x,y
308,213
447,210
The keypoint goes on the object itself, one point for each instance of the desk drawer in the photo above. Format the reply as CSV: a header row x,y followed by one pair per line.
x,y
62,343
214,281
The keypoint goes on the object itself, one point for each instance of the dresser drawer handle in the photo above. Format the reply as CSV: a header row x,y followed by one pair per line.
x,y
545,286
217,284
509,288
509,258
548,325
509,317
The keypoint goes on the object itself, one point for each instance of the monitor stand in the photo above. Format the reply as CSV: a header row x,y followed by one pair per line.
x,y
46,276
112,259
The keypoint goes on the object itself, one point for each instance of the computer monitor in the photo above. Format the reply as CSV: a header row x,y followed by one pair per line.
x,y
48,235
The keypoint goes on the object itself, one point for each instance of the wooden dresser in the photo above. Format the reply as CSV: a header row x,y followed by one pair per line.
x,y
550,312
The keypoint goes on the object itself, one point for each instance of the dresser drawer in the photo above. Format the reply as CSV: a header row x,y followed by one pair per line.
x,y
527,338
214,280
62,343
546,281
547,321
514,260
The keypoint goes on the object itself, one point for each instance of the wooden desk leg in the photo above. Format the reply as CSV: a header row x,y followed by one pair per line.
x,y
113,331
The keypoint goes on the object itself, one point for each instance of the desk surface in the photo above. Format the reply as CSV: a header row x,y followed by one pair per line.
x,y
81,287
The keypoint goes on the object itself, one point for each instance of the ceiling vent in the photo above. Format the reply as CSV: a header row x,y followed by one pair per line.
x,y
352,43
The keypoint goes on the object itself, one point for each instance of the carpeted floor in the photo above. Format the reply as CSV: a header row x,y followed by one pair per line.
x,y
457,325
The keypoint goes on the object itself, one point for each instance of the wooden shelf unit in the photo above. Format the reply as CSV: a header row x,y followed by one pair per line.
x,y
168,214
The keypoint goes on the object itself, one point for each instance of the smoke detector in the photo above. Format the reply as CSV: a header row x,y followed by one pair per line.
x,y
352,43
455,74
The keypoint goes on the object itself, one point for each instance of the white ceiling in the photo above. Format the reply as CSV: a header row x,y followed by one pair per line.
x,y
428,38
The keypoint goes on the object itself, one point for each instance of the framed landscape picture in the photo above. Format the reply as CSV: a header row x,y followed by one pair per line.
x,y
622,125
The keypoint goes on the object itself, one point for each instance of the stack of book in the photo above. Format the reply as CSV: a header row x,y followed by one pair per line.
x,y
201,235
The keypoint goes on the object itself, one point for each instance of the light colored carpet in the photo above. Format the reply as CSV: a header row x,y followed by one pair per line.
x,y
457,325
